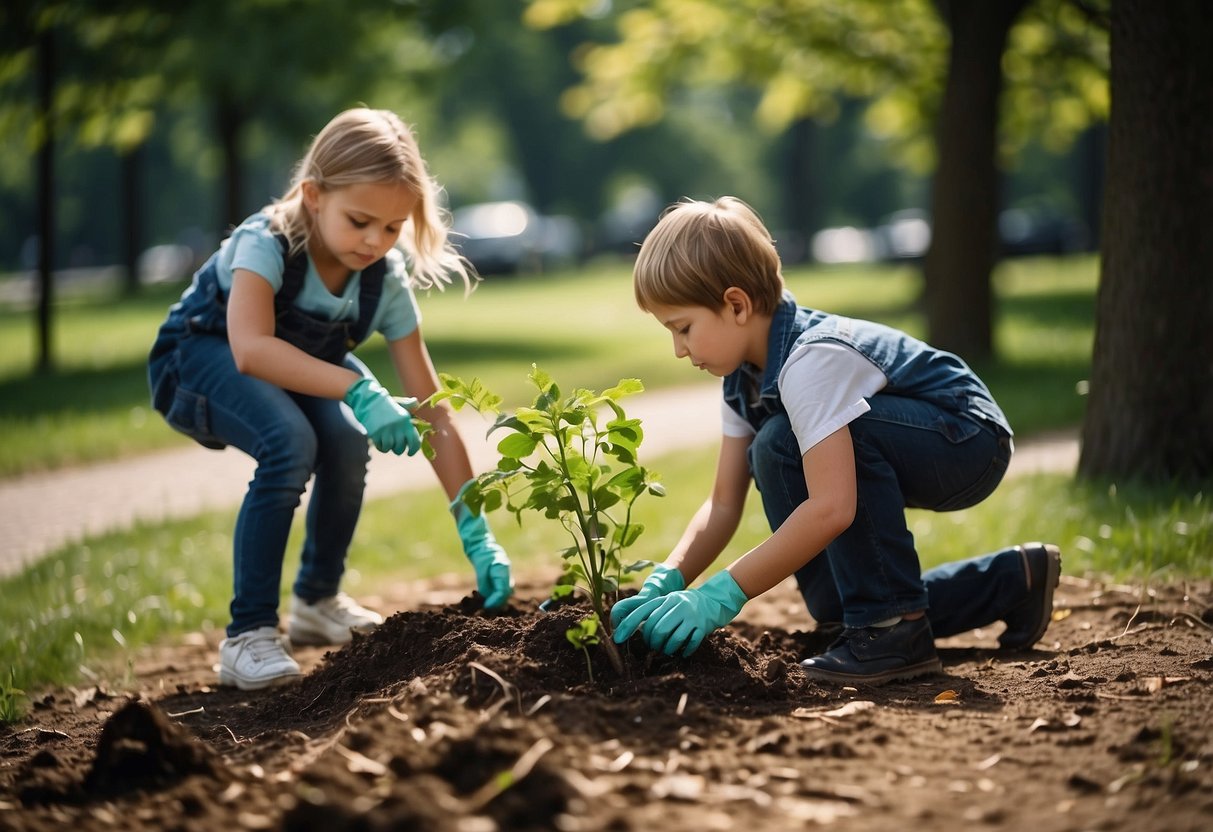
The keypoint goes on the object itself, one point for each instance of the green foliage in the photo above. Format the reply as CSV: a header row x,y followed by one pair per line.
x,y
583,636
557,459
806,56
11,698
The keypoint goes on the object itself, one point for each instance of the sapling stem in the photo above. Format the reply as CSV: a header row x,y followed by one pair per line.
x,y
591,469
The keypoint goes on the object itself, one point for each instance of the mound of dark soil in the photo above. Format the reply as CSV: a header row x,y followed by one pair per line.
x,y
449,719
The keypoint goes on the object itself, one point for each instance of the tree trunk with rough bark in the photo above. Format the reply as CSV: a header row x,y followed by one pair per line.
x,y
1150,413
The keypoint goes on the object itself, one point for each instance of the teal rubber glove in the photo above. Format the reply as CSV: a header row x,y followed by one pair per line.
x,y
386,419
682,620
492,565
661,581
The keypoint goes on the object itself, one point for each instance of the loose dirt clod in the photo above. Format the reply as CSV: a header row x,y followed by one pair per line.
x,y
447,719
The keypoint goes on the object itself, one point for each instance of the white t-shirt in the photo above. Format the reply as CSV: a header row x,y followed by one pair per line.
x,y
823,385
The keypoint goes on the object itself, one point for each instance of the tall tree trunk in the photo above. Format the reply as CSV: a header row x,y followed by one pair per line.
x,y
802,184
1092,157
965,200
1150,413
46,198
229,123
132,217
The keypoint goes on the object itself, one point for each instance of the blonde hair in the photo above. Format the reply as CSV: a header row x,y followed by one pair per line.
x,y
374,146
699,249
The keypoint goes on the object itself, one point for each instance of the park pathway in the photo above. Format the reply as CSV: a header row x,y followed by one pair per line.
x,y
42,512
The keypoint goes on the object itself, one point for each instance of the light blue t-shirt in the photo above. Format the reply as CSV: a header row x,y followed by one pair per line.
x,y
253,246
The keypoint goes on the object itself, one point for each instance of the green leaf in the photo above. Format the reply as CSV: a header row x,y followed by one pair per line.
x,y
604,498
517,446
625,536
585,632
625,387
542,381
493,500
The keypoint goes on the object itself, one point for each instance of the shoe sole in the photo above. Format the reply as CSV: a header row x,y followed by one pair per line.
x,y
1052,578
306,636
929,667
232,680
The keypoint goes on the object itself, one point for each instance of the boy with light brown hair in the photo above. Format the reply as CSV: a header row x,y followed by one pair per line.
x,y
842,424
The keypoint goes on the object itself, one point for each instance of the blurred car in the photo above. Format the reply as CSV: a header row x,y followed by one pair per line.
x,y
1023,231
903,235
510,236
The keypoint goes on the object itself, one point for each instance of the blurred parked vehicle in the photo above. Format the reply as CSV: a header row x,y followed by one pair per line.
x,y
906,235
511,236
1040,231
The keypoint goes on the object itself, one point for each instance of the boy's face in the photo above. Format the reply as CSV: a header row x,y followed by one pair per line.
x,y
717,341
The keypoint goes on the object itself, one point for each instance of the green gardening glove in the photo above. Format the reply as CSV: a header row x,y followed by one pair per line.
x,y
682,620
490,561
661,581
386,419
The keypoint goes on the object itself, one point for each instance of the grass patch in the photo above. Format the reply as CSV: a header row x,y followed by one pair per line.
x,y
84,610
582,326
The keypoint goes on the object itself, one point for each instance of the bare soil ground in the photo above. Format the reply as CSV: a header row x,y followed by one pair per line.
x,y
446,719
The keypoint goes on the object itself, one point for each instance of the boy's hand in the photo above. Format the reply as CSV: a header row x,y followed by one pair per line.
x,y
488,559
387,420
661,581
682,620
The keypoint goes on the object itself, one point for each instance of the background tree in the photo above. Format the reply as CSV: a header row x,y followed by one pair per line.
x,y
1150,414
64,74
805,55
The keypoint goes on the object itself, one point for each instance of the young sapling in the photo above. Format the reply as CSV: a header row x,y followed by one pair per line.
x,y
562,459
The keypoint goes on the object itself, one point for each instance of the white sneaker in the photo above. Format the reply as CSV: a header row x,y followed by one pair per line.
x,y
256,659
329,620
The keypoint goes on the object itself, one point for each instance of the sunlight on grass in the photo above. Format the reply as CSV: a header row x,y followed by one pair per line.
x,y
84,609
580,325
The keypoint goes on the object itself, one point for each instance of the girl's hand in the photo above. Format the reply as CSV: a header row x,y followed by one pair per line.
x,y
490,561
386,419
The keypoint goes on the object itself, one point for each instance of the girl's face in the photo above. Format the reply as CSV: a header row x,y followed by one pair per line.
x,y
357,224
715,341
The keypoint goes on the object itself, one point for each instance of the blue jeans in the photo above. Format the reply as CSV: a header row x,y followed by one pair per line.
x,y
908,454
292,437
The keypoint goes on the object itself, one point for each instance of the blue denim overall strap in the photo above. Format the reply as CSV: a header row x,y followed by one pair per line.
x,y
202,310
330,340
913,369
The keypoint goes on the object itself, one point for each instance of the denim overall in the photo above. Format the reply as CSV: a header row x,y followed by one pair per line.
x,y
933,439
196,386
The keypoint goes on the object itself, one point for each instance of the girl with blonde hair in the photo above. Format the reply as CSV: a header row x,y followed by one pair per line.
x,y
257,355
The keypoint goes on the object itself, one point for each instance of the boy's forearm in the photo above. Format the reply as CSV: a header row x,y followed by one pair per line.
x,y
803,536
706,536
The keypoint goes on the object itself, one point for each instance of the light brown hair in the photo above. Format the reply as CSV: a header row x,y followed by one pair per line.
x,y
374,146
699,249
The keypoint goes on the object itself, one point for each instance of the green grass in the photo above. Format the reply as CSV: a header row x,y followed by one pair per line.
x,y
85,609
582,326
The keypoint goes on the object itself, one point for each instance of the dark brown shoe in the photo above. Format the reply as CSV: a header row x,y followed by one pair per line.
x,y
1026,623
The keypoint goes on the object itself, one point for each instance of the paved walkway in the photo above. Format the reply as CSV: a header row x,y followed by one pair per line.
x,y
42,512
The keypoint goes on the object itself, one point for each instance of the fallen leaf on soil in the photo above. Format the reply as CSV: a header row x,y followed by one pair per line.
x,y
849,709
988,762
1156,683
947,696
1062,614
